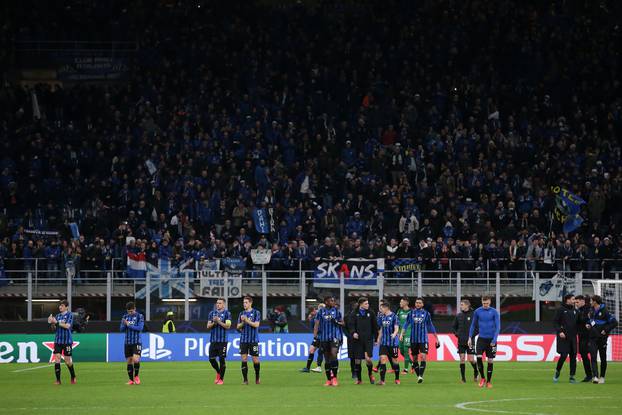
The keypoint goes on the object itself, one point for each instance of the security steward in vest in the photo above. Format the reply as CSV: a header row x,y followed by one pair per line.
x,y
169,325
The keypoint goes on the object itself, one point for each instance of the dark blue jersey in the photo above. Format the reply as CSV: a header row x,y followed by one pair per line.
x,y
218,333
488,322
387,324
328,329
420,323
136,324
315,318
63,336
249,334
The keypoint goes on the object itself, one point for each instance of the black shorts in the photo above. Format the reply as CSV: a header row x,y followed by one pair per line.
x,y
316,343
485,346
331,344
218,349
417,348
392,351
465,349
361,347
133,349
65,349
249,348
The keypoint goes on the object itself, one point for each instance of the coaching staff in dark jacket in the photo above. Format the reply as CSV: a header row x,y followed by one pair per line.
x,y
582,304
565,321
363,331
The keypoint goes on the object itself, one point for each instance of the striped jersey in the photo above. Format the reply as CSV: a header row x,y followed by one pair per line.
x,y
218,333
420,322
136,324
315,318
387,324
328,329
63,336
249,334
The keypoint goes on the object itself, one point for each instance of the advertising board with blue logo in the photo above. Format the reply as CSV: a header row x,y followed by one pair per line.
x,y
195,346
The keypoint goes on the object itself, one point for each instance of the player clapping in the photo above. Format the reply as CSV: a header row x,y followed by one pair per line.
x,y
248,325
63,341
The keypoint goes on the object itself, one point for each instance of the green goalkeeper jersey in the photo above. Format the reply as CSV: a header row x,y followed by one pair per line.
x,y
401,317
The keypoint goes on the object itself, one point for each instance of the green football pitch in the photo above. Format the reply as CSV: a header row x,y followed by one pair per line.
x,y
176,388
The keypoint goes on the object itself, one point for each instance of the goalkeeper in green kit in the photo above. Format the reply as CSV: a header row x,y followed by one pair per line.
x,y
402,314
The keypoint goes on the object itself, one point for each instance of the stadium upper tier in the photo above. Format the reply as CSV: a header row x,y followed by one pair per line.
x,y
442,122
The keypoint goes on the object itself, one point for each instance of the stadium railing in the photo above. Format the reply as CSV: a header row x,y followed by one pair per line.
x,y
40,282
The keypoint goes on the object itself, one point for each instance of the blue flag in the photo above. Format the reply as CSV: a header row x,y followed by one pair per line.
x,y
262,221
75,232
567,208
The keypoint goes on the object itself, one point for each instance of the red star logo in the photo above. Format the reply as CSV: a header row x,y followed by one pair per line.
x,y
50,347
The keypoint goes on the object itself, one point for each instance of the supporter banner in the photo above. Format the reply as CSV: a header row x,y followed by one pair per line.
x,y
42,234
91,66
261,220
554,289
218,284
234,266
261,256
402,267
282,347
357,273
38,348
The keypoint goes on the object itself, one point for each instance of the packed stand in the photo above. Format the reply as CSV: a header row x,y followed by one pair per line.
x,y
430,130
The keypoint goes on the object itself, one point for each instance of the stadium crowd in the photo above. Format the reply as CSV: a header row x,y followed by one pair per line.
x,y
397,129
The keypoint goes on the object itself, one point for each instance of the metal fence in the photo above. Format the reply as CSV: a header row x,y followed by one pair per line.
x,y
189,290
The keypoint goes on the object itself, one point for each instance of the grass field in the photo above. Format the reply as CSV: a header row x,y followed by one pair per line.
x,y
176,388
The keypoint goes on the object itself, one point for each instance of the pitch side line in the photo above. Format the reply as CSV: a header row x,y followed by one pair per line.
x,y
32,368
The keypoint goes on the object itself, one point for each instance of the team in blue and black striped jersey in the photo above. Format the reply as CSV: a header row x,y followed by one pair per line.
x,y
388,329
248,325
132,324
218,324
63,341
315,345
420,323
328,329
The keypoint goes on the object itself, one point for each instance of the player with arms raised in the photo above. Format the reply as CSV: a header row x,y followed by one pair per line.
x,y
485,319
63,341
218,324
328,329
248,325
388,340
132,324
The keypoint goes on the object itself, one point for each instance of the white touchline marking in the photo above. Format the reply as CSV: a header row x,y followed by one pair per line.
x,y
466,405
32,368
214,406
